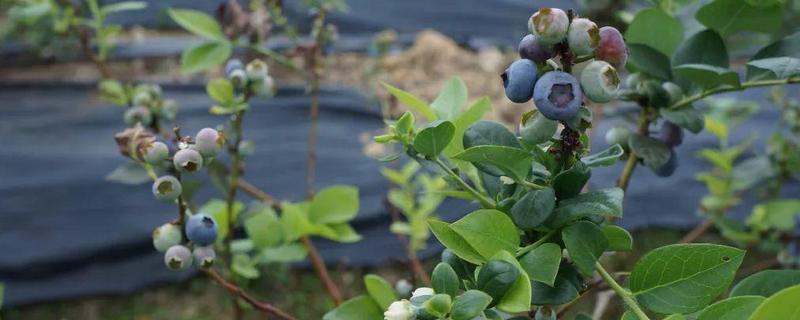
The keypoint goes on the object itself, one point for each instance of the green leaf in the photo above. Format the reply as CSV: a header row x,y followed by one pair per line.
x,y
295,220
221,91
432,140
287,253
380,290
707,76
585,243
688,118
129,173
782,67
495,278
123,6
455,242
334,204
705,47
205,56
541,264
242,265
731,16
766,283
786,47
411,101
451,100
653,151
2,294
438,305
486,132
649,61
604,158
359,308
537,129
651,22
684,278
113,91
197,22
512,162
518,297
776,214
564,290
618,238
340,232
488,231
606,202
469,305
473,114
444,279
264,228
736,308
782,305
569,183
218,209
533,208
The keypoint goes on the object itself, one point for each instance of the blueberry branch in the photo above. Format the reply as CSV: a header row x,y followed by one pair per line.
x,y
237,291
485,202
623,293
522,251
745,85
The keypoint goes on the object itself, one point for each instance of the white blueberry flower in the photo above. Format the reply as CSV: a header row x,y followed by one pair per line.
x,y
422,291
399,310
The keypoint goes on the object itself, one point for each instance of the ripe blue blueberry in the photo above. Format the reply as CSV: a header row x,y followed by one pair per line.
x,y
558,96
207,142
671,134
201,229
155,153
583,36
204,256
178,258
166,236
187,160
532,50
549,25
232,65
618,135
519,79
600,81
257,70
138,114
611,47
668,168
167,188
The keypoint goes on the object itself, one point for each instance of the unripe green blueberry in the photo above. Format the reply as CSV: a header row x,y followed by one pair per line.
x,y
549,25
167,188
532,50
257,70
138,114
558,96
238,78
264,88
618,135
155,153
633,81
207,142
204,256
600,81
611,47
178,258
675,92
583,36
166,236
188,160
169,109
657,96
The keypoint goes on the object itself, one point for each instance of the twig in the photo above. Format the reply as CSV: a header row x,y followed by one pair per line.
x,y
485,202
764,265
630,165
626,296
698,231
238,292
536,244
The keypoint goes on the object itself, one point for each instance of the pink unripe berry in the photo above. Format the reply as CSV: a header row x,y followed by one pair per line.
x,y
611,48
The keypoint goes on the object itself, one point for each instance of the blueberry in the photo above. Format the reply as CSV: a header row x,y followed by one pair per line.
x,y
178,258
233,65
675,92
188,160
201,229
204,256
155,153
257,70
668,168
558,95
671,134
264,88
167,188
138,114
207,142
611,48
238,78
583,36
519,79
634,80
166,236
618,135
532,50
545,313
600,81
549,25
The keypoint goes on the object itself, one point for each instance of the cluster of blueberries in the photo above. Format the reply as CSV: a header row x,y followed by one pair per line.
x,y
558,95
147,105
199,229
254,77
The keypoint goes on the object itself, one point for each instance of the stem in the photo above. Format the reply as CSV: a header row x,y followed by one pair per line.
x,y
485,202
419,270
322,271
698,231
522,251
621,292
236,170
238,292
630,165
531,185
745,85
